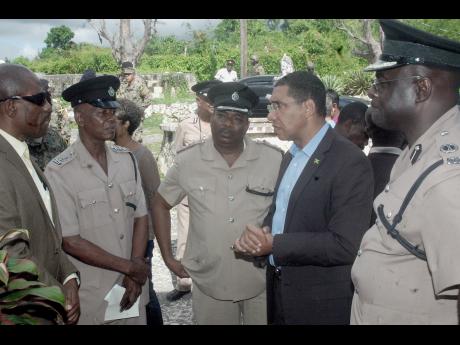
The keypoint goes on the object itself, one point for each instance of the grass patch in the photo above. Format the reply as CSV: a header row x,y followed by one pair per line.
x,y
152,124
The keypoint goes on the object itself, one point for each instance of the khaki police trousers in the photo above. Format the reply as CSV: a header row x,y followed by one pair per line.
x,y
183,284
211,311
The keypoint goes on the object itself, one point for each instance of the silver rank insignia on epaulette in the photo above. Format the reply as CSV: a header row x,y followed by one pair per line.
x,y
449,148
453,160
62,159
116,148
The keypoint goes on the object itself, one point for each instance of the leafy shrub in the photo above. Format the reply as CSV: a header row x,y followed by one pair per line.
x,y
23,299
333,82
357,83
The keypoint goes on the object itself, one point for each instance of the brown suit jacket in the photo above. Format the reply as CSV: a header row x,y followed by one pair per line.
x,y
21,206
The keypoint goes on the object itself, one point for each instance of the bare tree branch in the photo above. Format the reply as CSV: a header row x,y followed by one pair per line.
x,y
124,47
341,26
373,46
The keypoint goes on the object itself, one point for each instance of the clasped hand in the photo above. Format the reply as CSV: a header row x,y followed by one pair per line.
x,y
254,241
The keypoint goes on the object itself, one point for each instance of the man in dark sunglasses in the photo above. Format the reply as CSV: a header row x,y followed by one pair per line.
x,y
27,201
102,208
45,148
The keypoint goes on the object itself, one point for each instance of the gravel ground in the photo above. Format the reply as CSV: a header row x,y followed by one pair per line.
x,y
178,312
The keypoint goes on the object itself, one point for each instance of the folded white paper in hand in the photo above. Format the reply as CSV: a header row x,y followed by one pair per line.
x,y
113,298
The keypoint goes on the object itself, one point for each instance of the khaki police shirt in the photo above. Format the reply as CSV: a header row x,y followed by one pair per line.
x,y
99,208
220,209
392,286
191,130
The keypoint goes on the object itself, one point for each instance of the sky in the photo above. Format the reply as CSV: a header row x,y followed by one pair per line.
x,y
25,37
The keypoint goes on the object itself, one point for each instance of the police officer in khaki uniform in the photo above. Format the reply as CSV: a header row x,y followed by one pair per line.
x,y
101,204
229,181
134,88
192,129
407,268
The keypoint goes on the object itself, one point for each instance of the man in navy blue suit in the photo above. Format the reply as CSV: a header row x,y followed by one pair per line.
x,y
320,211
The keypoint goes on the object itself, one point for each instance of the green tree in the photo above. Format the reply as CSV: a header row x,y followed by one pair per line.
x,y
59,37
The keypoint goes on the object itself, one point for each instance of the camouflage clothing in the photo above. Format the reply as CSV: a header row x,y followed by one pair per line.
x,y
44,149
60,120
138,92
257,69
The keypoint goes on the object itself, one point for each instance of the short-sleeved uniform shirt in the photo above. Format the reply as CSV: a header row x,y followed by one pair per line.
x,y
392,286
220,208
101,209
191,130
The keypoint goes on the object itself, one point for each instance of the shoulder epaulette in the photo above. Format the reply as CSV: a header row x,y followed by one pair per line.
x,y
116,148
64,158
448,148
266,143
190,146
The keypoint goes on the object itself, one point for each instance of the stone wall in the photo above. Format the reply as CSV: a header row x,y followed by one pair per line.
x,y
60,82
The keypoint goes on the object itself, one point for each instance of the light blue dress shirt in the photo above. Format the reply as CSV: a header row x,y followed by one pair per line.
x,y
300,158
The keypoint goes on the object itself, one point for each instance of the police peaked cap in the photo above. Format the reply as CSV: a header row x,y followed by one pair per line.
x,y
98,91
202,89
405,45
233,96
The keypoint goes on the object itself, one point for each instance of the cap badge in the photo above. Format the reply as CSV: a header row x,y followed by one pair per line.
x,y
111,92
235,96
449,148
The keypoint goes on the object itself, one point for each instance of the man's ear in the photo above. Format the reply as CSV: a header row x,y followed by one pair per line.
x,y
423,88
10,108
79,118
310,107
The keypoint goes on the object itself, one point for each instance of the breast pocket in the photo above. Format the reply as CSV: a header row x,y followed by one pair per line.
x,y
260,191
94,208
130,199
203,192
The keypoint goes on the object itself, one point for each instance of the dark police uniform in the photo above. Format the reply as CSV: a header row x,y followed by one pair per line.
x,y
407,278
99,207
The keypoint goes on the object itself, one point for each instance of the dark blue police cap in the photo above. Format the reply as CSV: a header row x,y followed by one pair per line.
x,y
233,96
405,45
202,88
98,91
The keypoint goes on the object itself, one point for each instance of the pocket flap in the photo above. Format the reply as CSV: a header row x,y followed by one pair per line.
x,y
92,197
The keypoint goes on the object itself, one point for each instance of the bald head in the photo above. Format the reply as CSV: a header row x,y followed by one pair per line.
x,y
14,78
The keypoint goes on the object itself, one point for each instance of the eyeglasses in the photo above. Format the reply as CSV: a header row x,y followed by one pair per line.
x,y
377,85
37,99
275,106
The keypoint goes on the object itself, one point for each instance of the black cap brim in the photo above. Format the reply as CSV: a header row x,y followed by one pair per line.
x,y
104,104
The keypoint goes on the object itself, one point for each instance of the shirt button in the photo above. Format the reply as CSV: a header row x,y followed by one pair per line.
x,y
231,220
389,215
115,210
231,198
387,188
110,185
356,291
443,133
122,236
93,202
230,176
360,252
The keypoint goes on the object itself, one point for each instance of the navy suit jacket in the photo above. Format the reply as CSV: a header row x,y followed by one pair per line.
x,y
328,212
